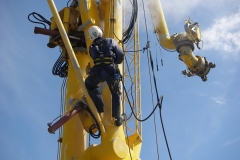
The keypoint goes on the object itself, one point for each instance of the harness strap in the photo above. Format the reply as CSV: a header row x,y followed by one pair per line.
x,y
99,45
105,60
102,59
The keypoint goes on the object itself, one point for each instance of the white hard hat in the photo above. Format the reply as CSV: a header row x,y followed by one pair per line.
x,y
94,32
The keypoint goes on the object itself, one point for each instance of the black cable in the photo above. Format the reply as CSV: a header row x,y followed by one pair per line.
x,y
160,107
40,18
160,110
96,125
159,104
130,87
141,120
154,78
127,34
60,67
68,2
91,133
93,126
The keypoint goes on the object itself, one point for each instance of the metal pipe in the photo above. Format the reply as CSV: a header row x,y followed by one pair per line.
x,y
63,120
160,24
84,25
48,32
75,63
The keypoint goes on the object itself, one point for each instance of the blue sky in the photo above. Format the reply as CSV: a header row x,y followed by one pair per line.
x,y
201,118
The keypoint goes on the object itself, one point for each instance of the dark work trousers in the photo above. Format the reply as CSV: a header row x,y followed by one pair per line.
x,y
101,74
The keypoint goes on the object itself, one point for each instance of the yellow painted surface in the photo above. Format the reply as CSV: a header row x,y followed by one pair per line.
x,y
186,54
160,24
113,143
74,135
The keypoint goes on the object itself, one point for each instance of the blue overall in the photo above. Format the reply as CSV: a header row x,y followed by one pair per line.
x,y
104,72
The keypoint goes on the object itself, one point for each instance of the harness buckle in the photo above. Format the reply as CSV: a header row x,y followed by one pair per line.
x,y
101,55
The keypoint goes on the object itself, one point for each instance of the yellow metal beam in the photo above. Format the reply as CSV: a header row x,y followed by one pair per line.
x,y
74,135
75,63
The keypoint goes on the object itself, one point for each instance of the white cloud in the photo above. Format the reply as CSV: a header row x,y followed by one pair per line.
x,y
223,36
220,85
219,100
177,10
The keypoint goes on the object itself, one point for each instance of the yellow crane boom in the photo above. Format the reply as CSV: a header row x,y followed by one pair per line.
x,y
183,42
69,31
113,144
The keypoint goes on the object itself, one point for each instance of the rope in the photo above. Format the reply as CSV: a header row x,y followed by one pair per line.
x,y
151,16
160,108
154,114
169,153
62,108
157,54
155,128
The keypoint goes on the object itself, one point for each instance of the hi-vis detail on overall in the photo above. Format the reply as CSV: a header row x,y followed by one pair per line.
x,y
81,54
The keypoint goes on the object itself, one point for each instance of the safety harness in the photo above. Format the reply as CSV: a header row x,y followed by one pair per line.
x,y
102,58
105,60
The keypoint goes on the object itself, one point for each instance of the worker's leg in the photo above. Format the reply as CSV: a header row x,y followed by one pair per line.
x,y
114,88
115,100
94,92
115,105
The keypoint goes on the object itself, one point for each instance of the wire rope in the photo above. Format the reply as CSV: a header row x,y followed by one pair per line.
x,y
169,153
160,108
155,128
62,108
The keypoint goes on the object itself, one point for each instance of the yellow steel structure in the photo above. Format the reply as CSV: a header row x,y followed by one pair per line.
x,y
108,15
113,144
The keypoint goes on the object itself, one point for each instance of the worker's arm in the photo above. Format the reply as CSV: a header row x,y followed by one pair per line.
x,y
118,52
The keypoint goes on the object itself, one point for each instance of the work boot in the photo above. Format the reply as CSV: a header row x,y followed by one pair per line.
x,y
119,120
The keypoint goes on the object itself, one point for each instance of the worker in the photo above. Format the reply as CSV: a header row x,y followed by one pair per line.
x,y
106,54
